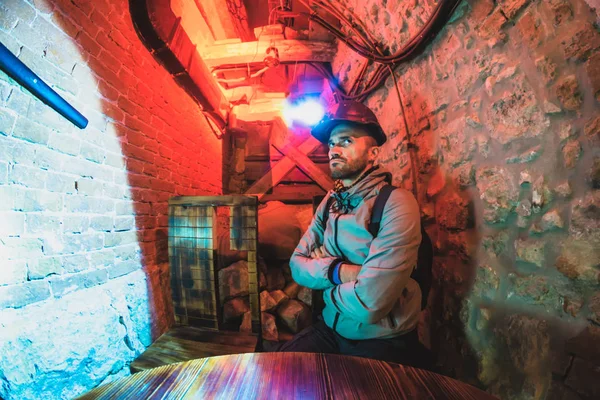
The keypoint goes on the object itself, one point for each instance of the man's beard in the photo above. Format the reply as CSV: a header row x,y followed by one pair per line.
x,y
348,170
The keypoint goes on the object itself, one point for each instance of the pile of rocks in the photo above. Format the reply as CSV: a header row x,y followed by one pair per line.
x,y
285,306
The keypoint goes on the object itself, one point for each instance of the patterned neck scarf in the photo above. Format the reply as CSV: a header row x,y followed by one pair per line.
x,y
342,197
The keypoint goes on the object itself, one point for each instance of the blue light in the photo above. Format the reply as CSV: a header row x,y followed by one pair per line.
x,y
307,112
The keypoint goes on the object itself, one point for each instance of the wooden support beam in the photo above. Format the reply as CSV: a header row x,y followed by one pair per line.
x,y
256,170
227,19
218,18
281,169
279,135
237,9
307,166
300,194
255,52
259,110
316,158
170,44
239,94
197,72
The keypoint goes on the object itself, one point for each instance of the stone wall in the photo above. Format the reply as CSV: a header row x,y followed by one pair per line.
x,y
503,108
83,233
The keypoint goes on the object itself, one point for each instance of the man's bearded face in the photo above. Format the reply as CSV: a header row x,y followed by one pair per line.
x,y
349,155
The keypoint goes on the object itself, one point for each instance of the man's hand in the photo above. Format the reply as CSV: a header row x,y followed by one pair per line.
x,y
349,272
319,252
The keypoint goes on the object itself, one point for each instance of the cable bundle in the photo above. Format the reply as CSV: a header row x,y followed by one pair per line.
x,y
364,44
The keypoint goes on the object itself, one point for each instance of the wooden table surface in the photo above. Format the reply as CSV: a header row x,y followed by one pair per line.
x,y
286,376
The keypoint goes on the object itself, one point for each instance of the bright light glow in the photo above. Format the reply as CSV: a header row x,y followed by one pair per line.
x,y
306,112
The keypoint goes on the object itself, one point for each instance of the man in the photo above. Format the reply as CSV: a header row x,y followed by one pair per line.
x,y
372,305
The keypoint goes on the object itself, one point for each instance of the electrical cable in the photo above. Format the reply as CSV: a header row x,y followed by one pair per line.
x,y
444,8
343,7
364,44
381,74
336,14
373,53
359,78
414,163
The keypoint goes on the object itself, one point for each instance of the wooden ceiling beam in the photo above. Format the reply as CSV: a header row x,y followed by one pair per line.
x,y
255,52
226,19
268,109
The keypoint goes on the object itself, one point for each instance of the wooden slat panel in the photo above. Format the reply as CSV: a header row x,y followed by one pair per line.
x,y
253,289
281,169
192,243
305,164
294,193
214,200
256,170
316,158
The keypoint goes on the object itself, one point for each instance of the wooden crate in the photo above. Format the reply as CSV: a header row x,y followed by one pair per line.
x,y
195,281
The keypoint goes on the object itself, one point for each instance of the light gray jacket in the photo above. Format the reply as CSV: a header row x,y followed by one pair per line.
x,y
383,301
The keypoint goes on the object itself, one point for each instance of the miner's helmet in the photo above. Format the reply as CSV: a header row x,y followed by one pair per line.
x,y
349,111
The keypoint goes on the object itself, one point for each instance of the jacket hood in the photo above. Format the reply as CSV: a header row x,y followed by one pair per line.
x,y
363,189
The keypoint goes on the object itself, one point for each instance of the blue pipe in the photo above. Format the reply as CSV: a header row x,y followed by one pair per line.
x,y
27,78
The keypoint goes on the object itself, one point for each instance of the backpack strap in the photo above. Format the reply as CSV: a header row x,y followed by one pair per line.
x,y
328,205
377,212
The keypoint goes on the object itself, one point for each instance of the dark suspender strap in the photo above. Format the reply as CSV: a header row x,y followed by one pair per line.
x,y
378,207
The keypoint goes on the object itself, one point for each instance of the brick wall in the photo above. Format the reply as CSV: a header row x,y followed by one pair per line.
x,y
503,109
83,231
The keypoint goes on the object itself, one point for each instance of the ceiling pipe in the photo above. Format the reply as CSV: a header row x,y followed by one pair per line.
x,y
158,28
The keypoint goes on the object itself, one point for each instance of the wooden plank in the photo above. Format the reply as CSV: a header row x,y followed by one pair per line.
x,y
207,88
201,335
263,158
270,31
213,200
278,172
191,19
305,164
237,9
279,134
255,52
256,170
239,94
187,343
296,193
263,110
227,41
218,18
